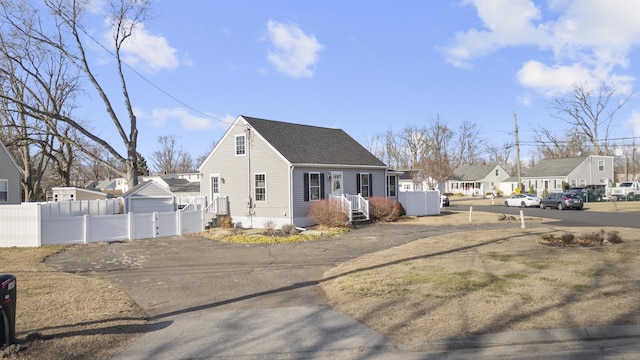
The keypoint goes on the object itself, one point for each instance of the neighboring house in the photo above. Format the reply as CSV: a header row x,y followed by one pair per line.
x,y
73,193
117,186
10,178
476,180
185,188
508,186
549,174
270,172
149,197
416,180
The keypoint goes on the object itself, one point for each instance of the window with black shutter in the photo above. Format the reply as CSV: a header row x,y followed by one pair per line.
x,y
313,186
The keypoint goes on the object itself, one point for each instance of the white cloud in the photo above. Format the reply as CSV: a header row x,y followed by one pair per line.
x,y
590,40
552,80
634,122
505,22
159,117
146,51
294,53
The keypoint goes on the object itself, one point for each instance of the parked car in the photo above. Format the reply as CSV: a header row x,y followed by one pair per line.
x,y
445,200
523,200
590,193
562,201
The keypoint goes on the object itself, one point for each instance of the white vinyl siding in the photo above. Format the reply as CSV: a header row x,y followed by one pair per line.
x,y
237,177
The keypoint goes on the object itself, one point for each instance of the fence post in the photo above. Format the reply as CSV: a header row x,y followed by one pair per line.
x,y
86,228
156,226
179,223
131,225
39,222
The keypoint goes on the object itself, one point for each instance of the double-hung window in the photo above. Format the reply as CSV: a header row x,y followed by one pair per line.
x,y
260,187
241,145
600,165
314,186
391,189
365,185
4,190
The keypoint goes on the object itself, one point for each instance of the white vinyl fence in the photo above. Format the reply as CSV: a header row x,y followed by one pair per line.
x,y
28,226
79,207
420,203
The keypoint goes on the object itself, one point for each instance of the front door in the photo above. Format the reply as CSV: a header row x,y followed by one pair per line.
x,y
215,191
336,183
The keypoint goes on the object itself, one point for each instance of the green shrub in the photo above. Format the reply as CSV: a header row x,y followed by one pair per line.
x,y
545,193
328,213
384,209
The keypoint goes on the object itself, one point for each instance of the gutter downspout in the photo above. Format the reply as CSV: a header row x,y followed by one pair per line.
x,y
291,168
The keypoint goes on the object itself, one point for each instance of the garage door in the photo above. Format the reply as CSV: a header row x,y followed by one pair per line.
x,y
149,205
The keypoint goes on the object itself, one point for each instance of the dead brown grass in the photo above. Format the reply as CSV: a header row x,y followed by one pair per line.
x,y
64,316
488,281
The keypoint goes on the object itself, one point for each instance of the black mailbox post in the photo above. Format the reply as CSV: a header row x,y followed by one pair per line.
x,y
7,310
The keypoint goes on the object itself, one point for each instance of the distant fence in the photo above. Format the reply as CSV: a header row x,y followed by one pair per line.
x,y
420,203
79,207
28,226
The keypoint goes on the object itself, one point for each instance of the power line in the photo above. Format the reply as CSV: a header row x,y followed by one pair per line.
x,y
157,87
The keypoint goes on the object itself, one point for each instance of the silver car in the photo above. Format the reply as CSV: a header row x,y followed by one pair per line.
x,y
562,201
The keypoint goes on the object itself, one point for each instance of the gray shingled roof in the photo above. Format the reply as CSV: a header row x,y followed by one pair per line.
x,y
472,172
305,144
554,167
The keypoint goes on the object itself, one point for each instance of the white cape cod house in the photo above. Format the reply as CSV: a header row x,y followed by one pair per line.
x,y
476,180
270,172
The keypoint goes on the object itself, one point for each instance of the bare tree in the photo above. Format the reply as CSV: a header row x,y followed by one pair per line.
x,y
415,141
63,33
571,144
200,160
590,112
170,158
470,144
501,155
437,161
39,142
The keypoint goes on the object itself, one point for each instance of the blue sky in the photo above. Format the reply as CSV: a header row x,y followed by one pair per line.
x,y
366,66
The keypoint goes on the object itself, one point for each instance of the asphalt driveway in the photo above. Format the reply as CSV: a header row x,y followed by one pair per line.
x,y
210,300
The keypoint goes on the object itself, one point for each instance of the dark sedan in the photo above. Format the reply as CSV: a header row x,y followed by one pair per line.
x,y
562,201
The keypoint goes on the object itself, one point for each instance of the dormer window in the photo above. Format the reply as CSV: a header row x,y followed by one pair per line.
x,y
241,145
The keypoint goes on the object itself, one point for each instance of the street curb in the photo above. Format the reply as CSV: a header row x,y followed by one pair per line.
x,y
531,337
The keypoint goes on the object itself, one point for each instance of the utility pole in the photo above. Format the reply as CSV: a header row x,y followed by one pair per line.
x,y
515,123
